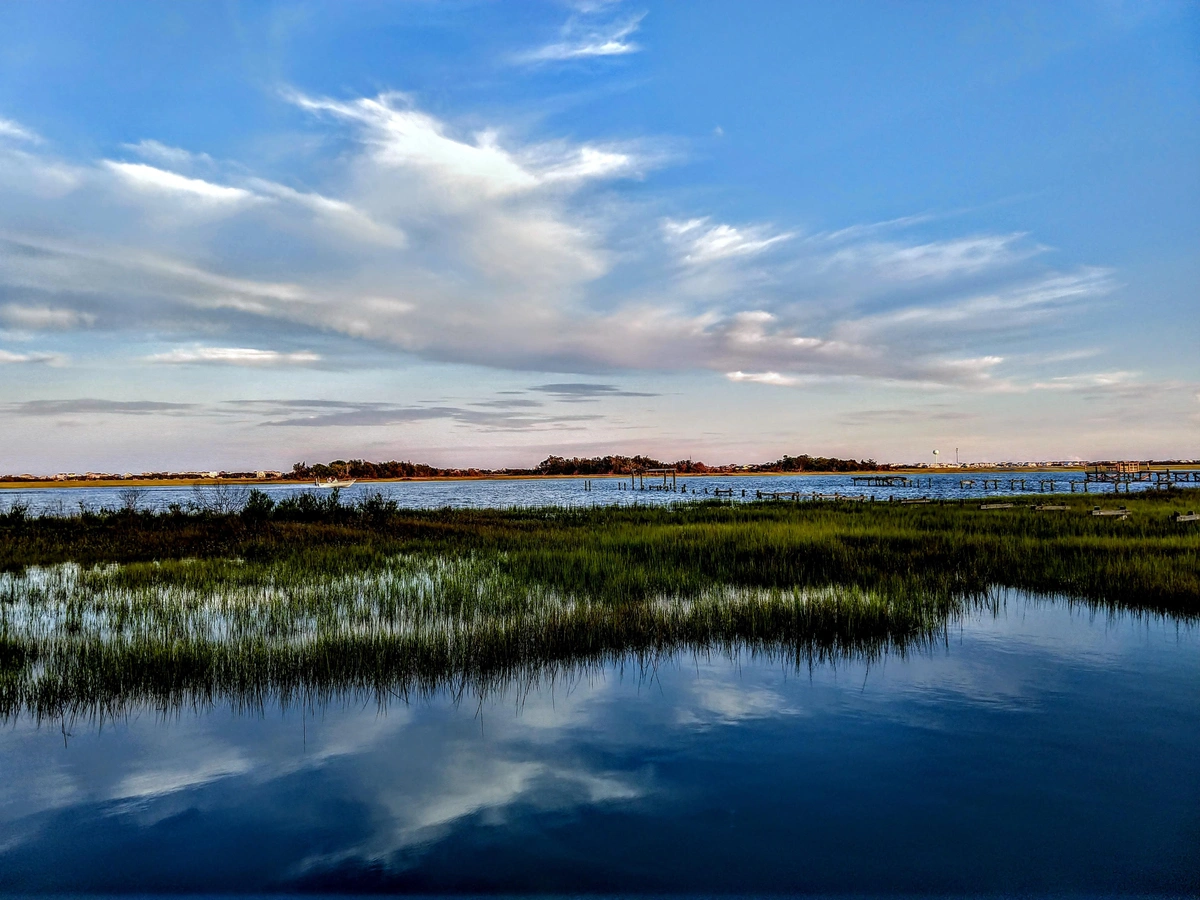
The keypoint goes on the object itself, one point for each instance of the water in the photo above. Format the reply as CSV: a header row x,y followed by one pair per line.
x,y
1044,750
504,493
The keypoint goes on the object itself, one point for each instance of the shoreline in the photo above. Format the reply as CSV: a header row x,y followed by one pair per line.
x,y
42,484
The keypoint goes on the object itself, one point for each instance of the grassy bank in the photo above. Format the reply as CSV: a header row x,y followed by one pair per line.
x,y
100,613
620,553
103,641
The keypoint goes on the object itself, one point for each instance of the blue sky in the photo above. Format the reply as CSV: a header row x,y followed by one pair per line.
x,y
479,233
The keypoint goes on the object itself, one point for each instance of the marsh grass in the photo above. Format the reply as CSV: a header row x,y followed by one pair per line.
x,y
102,613
100,641
1145,561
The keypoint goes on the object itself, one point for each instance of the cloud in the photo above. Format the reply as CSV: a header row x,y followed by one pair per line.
x,y
325,413
44,318
586,391
934,260
471,245
10,129
399,137
89,405
1093,381
763,378
1015,307
341,214
233,356
7,357
588,42
148,179
173,157
702,243
901,416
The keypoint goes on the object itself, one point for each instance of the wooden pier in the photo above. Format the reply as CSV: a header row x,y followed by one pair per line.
x,y
777,495
884,480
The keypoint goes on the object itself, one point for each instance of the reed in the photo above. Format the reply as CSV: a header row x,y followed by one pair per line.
x,y
1147,561
104,612
101,641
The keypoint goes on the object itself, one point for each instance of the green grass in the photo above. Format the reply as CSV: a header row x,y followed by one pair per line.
x,y
1146,561
103,613
104,640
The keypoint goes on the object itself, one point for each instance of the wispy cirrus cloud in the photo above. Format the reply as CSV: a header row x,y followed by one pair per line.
x,y
44,318
172,157
583,39
325,414
143,177
9,357
15,131
91,405
773,378
938,259
233,356
477,247
578,391
701,241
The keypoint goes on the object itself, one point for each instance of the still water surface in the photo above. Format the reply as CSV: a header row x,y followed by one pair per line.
x,y
1043,750
505,493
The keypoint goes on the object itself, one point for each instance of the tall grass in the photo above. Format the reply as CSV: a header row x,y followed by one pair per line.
x,y
100,613
1145,561
103,640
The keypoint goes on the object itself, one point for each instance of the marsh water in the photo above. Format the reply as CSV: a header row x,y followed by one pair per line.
x,y
527,492
1037,747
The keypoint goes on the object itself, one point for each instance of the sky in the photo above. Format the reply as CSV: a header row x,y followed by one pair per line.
x,y
243,235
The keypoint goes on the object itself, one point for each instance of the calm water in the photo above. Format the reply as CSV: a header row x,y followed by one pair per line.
x,y
1042,751
545,491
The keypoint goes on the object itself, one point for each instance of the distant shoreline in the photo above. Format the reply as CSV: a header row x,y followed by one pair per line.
x,y
256,482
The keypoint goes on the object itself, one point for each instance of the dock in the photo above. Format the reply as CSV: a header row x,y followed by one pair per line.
x,y
1127,473
884,480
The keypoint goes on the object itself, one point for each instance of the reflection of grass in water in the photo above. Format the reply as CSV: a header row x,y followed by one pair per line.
x,y
103,640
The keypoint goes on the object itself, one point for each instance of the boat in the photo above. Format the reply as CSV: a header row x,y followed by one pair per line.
x,y
335,482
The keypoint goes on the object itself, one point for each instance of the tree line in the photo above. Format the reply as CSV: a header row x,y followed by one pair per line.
x,y
559,465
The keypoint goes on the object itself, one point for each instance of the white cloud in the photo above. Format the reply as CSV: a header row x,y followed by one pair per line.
x,y
702,243
403,138
10,129
338,212
150,179
476,247
400,138
588,43
44,318
174,157
1016,306
234,356
764,378
8,357
937,259
1087,381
